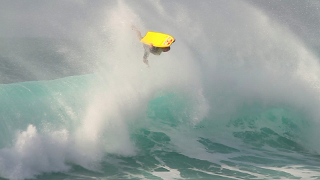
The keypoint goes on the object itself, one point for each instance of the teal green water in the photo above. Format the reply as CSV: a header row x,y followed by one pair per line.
x,y
264,144
40,103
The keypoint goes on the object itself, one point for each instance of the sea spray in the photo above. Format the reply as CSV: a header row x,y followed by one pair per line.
x,y
236,97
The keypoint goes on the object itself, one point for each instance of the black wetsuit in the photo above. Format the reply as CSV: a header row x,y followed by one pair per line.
x,y
153,50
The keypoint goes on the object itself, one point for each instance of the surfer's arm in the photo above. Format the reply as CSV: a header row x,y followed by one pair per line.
x,y
137,31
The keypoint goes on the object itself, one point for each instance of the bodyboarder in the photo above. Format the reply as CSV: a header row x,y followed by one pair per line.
x,y
150,48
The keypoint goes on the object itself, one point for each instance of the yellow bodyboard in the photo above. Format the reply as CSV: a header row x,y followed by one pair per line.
x,y
157,39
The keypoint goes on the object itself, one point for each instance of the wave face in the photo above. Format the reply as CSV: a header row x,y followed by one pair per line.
x,y
237,97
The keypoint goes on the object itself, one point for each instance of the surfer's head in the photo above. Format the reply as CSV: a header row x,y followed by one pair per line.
x,y
166,49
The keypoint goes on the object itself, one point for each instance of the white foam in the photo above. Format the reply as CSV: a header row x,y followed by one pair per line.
x,y
33,154
171,174
298,171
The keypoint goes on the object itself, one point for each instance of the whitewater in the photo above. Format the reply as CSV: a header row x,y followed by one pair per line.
x,y
237,96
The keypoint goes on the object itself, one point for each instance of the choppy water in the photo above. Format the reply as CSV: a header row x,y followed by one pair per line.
x,y
237,97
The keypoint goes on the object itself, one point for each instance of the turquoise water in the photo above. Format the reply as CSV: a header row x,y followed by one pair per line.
x,y
237,96
261,143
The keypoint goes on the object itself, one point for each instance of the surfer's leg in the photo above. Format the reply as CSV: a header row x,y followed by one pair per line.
x,y
146,62
145,57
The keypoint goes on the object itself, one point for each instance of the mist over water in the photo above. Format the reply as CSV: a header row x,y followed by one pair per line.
x,y
237,96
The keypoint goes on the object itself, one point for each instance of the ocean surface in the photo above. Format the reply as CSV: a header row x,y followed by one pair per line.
x,y
237,96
